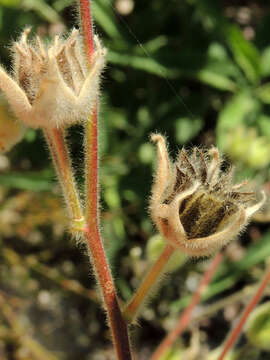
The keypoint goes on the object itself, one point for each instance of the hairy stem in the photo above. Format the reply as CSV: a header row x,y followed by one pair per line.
x,y
234,334
133,307
62,163
185,317
87,27
117,323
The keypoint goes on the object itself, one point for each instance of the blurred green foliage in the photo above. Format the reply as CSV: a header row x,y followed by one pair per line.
x,y
195,70
258,327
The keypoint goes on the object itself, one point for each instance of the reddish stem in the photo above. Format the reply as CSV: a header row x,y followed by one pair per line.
x,y
87,27
97,254
116,322
233,336
185,317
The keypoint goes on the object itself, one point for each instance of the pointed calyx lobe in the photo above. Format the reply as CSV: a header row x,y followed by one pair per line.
x,y
52,85
194,203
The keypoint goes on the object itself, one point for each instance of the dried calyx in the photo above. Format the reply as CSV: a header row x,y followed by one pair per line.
x,y
52,85
194,203
11,130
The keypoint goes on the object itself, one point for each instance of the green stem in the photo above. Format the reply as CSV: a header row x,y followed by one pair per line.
x,y
135,304
58,148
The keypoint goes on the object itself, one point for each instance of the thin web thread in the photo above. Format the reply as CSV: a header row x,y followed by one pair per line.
x,y
163,75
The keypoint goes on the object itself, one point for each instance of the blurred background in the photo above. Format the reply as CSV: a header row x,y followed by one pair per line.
x,y
197,71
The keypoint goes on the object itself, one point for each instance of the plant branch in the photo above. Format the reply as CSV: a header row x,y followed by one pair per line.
x,y
87,27
235,332
117,324
213,308
62,163
148,283
186,316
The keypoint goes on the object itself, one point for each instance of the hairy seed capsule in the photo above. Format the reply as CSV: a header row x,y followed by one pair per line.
x,y
52,86
194,203
11,130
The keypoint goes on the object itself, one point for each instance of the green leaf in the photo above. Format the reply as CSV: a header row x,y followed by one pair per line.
x,y
216,80
258,327
41,181
10,3
173,353
154,44
105,18
245,53
30,135
59,5
246,146
265,62
187,128
264,125
254,255
218,69
234,113
263,93
44,10
147,64
215,73
146,153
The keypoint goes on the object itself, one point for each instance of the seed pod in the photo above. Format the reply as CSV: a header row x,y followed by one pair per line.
x,y
11,130
52,85
194,204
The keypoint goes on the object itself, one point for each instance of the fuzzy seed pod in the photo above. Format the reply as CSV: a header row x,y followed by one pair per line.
x,y
52,86
194,203
11,130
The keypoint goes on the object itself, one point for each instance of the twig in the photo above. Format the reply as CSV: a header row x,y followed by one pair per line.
x,y
62,162
185,317
236,331
135,304
117,324
211,309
